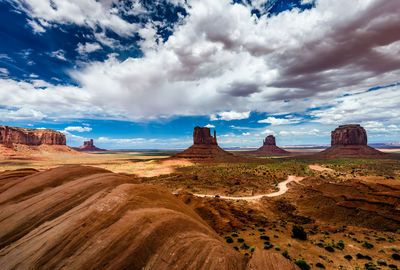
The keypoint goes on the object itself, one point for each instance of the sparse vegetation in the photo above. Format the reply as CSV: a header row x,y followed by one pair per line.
x,y
302,264
298,232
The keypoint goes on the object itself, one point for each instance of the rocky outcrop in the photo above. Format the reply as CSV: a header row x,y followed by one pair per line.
x,y
78,217
205,148
349,135
88,146
269,140
269,148
201,135
350,141
33,137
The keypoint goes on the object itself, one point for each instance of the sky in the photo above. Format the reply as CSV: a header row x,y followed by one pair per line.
x,y
141,74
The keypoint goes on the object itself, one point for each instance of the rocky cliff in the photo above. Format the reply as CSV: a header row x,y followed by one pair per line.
x,y
349,135
205,147
350,141
88,146
201,135
11,135
270,140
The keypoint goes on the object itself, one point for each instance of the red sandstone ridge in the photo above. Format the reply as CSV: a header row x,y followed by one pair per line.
x,y
205,147
269,148
76,217
88,146
33,137
350,141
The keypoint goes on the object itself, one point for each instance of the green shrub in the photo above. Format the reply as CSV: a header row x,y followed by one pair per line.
x,y
277,248
320,265
367,245
298,232
268,246
363,257
394,249
234,235
261,230
264,237
228,239
286,254
348,257
396,256
381,238
392,266
240,240
252,249
380,262
244,246
302,264
370,266
329,249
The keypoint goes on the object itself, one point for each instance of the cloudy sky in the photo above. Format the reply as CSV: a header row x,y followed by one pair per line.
x,y
143,73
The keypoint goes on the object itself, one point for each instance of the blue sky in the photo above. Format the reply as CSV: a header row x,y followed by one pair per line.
x,y
142,74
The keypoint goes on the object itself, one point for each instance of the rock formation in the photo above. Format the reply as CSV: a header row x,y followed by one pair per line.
x,y
350,141
349,135
88,146
205,147
269,148
34,137
77,217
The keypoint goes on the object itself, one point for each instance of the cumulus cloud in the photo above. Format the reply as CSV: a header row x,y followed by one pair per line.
x,y
279,121
88,47
78,129
225,62
59,54
209,126
231,115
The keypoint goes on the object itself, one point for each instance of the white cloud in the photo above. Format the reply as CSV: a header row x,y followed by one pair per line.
x,y
36,27
230,115
24,113
3,72
209,126
59,54
300,133
268,132
87,47
279,121
246,133
78,129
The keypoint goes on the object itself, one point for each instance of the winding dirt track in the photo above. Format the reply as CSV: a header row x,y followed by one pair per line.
x,y
282,189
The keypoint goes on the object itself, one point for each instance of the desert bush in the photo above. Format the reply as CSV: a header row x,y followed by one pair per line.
x,y
277,248
348,257
261,230
264,237
302,264
370,266
228,239
298,232
252,249
392,266
268,246
367,245
244,246
285,254
234,235
320,265
240,240
329,249
396,256
394,249
380,262
363,257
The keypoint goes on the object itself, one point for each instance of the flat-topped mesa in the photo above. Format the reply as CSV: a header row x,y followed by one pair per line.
x,y
202,135
350,141
269,140
349,135
88,146
205,147
33,137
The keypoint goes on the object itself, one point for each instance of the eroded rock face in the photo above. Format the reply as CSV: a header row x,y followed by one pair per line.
x,y
201,135
349,135
10,135
270,140
88,146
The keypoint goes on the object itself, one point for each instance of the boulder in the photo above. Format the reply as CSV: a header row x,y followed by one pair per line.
x,y
349,135
11,135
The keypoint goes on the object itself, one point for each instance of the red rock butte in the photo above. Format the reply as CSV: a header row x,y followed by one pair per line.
x,y
269,148
32,137
88,146
205,147
350,141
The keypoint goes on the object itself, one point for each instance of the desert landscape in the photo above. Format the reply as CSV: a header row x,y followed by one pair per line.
x,y
202,208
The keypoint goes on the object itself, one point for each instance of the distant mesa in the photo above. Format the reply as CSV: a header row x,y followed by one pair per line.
x,y
32,137
88,146
205,147
269,148
350,141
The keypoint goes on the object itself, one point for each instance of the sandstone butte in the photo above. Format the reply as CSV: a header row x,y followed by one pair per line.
x,y
205,147
31,137
269,148
350,141
88,146
78,217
